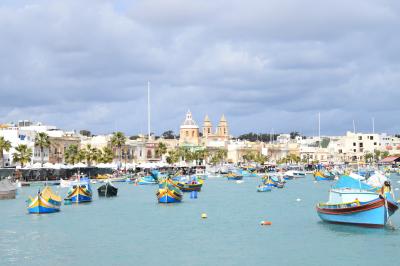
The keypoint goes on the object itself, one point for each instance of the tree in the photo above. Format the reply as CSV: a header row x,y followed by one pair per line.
x,y
168,134
22,154
5,145
294,134
173,156
161,149
85,133
42,140
71,154
106,155
118,140
90,154
368,157
385,154
260,158
219,156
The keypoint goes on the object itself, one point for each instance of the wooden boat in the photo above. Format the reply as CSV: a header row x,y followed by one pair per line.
x,y
373,213
320,176
234,176
107,190
264,188
189,186
168,193
82,192
146,180
352,201
7,189
44,202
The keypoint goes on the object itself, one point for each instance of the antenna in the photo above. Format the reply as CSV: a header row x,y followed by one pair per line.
x,y
319,130
354,127
148,109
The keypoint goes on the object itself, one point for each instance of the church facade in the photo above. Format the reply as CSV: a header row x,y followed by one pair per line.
x,y
189,133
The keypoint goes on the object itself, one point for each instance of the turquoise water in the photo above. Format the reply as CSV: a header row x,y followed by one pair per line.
x,y
133,229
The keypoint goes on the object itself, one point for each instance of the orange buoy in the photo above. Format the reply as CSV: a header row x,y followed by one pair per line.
x,y
266,223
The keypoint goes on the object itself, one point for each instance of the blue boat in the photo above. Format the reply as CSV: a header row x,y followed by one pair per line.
x,y
320,176
147,180
352,201
44,202
82,192
264,188
168,192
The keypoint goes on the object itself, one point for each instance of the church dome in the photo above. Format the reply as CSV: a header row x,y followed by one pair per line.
x,y
189,122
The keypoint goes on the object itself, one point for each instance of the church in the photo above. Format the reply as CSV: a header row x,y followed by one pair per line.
x,y
189,134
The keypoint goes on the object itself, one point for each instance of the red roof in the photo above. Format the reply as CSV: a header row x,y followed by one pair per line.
x,y
390,159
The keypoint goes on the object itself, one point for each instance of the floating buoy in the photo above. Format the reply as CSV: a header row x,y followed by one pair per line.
x,y
204,215
298,199
266,223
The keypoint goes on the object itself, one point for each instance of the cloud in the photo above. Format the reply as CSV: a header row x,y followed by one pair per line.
x,y
265,64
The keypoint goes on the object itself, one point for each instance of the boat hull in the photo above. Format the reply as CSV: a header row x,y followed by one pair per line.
x,y
189,187
107,190
40,205
168,196
373,213
264,189
79,194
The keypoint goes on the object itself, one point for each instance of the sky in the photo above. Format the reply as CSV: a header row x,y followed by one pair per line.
x,y
268,65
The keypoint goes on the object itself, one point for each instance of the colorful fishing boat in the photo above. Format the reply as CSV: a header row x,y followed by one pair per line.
x,y
192,185
44,202
320,176
234,176
168,192
264,188
81,192
147,180
353,202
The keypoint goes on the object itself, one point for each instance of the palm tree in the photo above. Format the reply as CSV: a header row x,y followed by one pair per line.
x,y
71,154
106,155
5,145
42,140
90,154
161,149
173,156
118,140
22,154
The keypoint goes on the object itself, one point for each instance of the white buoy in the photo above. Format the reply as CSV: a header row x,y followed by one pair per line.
x,y
298,199
239,181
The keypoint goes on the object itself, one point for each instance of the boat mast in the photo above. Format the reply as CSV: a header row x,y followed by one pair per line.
x,y
148,109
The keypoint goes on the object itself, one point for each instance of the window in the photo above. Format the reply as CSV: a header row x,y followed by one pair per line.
x,y
360,145
371,137
359,137
193,133
354,150
209,130
375,143
187,133
340,151
354,144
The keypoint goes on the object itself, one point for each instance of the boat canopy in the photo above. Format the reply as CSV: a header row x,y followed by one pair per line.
x,y
352,183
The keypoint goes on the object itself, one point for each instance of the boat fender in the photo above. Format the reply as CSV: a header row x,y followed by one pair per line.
x,y
266,223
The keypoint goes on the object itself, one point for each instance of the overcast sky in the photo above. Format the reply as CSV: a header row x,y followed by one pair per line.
x,y
265,64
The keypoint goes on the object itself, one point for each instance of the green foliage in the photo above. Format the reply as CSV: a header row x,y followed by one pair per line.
x,y
290,158
5,145
258,137
22,154
161,149
168,134
42,140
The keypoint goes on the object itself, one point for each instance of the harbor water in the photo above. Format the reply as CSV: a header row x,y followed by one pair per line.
x,y
133,229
